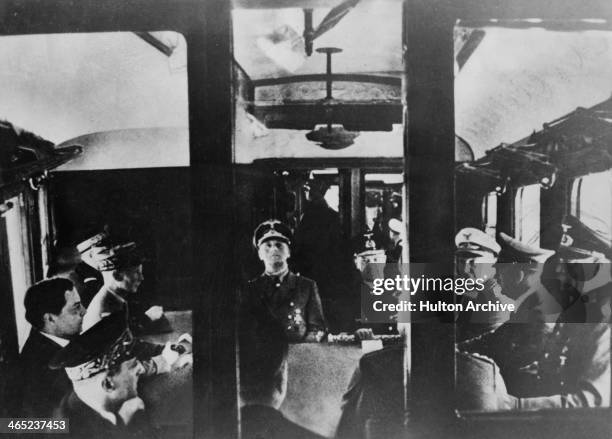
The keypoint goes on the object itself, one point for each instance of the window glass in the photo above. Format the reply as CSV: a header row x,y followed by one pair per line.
x,y
527,214
16,226
489,209
589,195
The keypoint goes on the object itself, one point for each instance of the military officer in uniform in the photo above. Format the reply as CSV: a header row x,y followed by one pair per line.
x,y
558,364
476,256
520,267
292,299
519,340
121,268
104,369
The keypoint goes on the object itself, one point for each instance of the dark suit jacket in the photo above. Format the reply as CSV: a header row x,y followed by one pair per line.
x,y
43,388
262,422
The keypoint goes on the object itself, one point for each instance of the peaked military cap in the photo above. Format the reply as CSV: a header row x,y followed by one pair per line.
x,y
581,242
476,242
102,347
271,229
118,257
98,240
514,250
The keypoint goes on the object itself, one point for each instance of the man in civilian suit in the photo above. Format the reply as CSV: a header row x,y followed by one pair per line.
x,y
53,308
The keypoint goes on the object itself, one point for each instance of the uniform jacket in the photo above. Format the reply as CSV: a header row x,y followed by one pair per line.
x,y
105,302
474,323
91,281
262,422
551,365
294,301
84,422
43,388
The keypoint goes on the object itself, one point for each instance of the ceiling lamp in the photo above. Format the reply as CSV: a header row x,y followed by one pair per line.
x,y
332,136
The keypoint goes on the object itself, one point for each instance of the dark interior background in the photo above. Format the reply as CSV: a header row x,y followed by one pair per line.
x,y
150,206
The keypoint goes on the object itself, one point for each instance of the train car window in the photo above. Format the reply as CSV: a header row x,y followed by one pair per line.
x,y
489,213
45,229
116,103
527,214
19,259
532,102
319,147
586,202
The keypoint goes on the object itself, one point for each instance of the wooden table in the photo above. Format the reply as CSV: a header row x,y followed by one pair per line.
x,y
319,374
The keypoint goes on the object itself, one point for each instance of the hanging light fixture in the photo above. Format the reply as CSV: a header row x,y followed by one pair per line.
x,y
329,135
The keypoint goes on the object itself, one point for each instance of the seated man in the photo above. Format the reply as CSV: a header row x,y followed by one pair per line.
x,y
104,369
519,269
263,381
54,310
292,299
560,363
121,267
476,256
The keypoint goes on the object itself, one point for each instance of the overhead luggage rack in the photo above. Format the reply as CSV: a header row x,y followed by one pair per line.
x,y
26,159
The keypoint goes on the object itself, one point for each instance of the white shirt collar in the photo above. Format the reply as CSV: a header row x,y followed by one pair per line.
x,y
59,340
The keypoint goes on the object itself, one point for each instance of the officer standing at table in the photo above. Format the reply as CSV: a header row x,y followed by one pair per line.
x,y
292,299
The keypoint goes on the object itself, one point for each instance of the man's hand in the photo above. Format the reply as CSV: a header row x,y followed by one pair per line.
x,y
364,334
155,313
170,353
314,336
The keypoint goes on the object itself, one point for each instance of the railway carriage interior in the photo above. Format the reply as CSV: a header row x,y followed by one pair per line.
x,y
115,107
344,127
321,115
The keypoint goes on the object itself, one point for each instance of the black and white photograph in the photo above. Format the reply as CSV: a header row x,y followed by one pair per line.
x,y
342,219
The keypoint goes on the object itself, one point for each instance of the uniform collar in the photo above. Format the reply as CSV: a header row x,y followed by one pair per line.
x,y
288,278
280,276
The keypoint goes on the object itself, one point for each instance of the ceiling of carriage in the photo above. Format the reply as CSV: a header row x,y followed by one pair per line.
x,y
63,86
509,84
369,36
519,79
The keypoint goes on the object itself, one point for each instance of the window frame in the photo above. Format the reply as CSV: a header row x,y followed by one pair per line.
x,y
580,422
